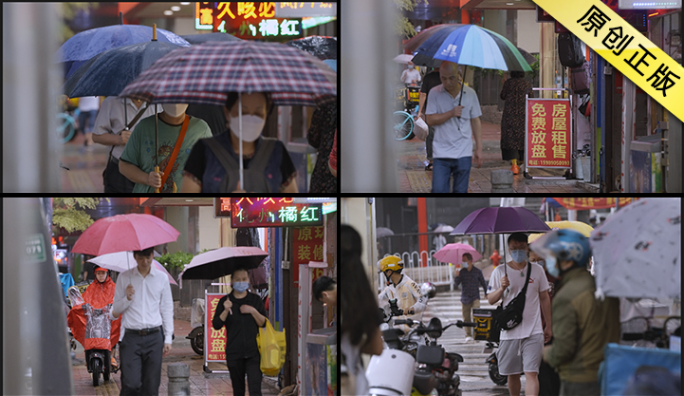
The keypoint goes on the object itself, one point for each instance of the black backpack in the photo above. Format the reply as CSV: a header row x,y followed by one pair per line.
x,y
570,50
254,177
511,316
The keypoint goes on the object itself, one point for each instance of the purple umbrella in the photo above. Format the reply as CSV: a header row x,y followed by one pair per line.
x,y
506,220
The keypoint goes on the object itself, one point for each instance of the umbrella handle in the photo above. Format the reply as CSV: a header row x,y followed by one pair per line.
x,y
156,190
462,85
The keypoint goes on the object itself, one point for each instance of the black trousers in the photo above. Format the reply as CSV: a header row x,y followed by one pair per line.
x,y
251,367
114,181
428,142
141,361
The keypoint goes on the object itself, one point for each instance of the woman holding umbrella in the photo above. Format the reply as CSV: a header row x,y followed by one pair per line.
x,y
213,164
242,313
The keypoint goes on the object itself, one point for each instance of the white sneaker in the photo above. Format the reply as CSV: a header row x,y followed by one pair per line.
x,y
469,340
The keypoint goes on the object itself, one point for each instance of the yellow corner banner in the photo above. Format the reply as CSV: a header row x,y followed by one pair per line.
x,y
621,45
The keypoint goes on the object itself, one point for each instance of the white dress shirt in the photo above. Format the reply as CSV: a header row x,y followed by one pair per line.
x,y
152,304
110,119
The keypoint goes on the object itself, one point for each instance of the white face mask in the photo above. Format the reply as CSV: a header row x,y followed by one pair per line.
x,y
174,110
251,127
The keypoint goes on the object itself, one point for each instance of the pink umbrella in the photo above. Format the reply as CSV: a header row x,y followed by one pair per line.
x,y
122,233
453,253
118,262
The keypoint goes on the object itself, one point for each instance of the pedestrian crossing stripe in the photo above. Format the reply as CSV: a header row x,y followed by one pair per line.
x,y
626,49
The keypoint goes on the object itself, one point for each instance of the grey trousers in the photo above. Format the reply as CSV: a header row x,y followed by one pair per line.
x,y
141,359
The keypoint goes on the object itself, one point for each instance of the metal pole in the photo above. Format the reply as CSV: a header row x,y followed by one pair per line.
x,y
369,160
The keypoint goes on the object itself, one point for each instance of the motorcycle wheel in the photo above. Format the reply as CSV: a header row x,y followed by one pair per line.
x,y
96,372
495,376
197,343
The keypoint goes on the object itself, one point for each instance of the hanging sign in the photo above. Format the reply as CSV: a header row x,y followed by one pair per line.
x,y
307,245
591,203
273,212
215,340
621,45
548,141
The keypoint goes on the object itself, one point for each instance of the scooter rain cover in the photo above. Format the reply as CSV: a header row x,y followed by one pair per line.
x,y
90,321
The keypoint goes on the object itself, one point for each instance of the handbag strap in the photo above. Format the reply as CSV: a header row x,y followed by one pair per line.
x,y
527,281
176,149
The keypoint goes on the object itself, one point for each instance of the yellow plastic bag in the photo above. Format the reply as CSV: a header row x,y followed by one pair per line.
x,y
272,348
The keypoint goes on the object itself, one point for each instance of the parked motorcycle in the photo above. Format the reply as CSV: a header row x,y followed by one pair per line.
x,y
196,336
389,373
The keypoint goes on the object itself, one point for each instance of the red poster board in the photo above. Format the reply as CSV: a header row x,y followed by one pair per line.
x,y
307,245
548,136
215,340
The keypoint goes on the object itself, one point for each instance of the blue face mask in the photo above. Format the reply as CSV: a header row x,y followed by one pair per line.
x,y
240,286
519,256
551,267
465,264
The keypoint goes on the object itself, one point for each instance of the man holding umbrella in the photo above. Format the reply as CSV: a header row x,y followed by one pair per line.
x,y
178,133
143,293
454,113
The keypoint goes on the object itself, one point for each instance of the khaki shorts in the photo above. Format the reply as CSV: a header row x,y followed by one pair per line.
x,y
517,356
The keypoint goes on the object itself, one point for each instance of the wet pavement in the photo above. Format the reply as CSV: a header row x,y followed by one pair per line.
x,y
85,166
412,158
201,383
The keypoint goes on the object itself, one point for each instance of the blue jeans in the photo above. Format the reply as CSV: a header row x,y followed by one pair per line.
x,y
87,126
443,168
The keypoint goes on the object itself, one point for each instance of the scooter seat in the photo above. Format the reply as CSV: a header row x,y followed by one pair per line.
x,y
424,382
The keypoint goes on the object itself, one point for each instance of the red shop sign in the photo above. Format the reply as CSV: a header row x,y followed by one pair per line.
x,y
548,137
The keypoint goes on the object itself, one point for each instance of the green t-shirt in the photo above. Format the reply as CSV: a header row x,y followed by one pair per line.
x,y
139,149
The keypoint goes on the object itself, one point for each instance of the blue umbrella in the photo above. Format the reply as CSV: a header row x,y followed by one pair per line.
x,y
471,45
87,44
203,38
108,73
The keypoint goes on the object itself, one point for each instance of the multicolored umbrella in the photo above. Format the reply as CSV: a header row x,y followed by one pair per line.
x,y
471,45
417,40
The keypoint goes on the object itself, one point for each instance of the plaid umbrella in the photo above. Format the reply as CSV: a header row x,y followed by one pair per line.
x,y
204,74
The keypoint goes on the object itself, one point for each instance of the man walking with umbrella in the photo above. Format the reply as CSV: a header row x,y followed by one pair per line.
x,y
454,113
177,134
143,293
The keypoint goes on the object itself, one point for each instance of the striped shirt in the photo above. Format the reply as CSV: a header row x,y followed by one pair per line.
x,y
471,281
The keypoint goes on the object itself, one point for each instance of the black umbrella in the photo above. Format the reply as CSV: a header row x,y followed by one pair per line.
x,y
203,38
319,46
222,261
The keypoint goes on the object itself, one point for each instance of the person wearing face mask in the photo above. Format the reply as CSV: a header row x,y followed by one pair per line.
x,y
213,166
520,348
242,313
471,278
582,325
177,133
401,288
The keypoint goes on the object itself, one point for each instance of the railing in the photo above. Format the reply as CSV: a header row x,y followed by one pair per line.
x,y
423,267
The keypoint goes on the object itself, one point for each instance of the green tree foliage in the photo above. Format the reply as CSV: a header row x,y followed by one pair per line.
x,y
175,260
69,11
404,27
69,213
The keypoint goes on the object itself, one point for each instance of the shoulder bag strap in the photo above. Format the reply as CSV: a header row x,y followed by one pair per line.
x,y
527,280
176,149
